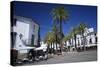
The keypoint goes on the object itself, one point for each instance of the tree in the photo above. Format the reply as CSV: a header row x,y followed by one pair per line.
x,y
59,15
50,39
67,38
74,32
81,29
55,33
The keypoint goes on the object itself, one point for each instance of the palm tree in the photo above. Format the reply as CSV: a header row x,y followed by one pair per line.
x,y
74,32
50,39
55,33
81,28
59,15
67,38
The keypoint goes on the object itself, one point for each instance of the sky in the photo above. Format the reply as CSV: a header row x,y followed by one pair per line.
x,y
41,13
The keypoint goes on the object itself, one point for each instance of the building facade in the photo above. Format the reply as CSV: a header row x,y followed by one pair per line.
x,y
24,32
90,39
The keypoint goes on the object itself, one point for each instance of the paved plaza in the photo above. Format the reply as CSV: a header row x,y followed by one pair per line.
x,y
68,57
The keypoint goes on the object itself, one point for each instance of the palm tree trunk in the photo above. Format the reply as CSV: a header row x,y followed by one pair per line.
x,y
75,41
60,23
72,41
53,47
66,45
56,43
48,48
83,41
70,44
56,47
61,47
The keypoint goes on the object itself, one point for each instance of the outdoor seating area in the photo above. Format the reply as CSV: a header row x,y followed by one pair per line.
x,y
32,55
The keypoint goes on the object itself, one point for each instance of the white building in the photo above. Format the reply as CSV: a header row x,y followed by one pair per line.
x,y
90,39
24,33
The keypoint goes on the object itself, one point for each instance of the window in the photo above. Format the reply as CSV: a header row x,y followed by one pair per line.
x,y
90,41
32,40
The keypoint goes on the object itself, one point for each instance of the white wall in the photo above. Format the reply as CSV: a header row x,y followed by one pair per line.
x,y
23,28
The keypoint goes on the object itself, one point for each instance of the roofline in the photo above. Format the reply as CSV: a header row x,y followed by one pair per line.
x,y
22,18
